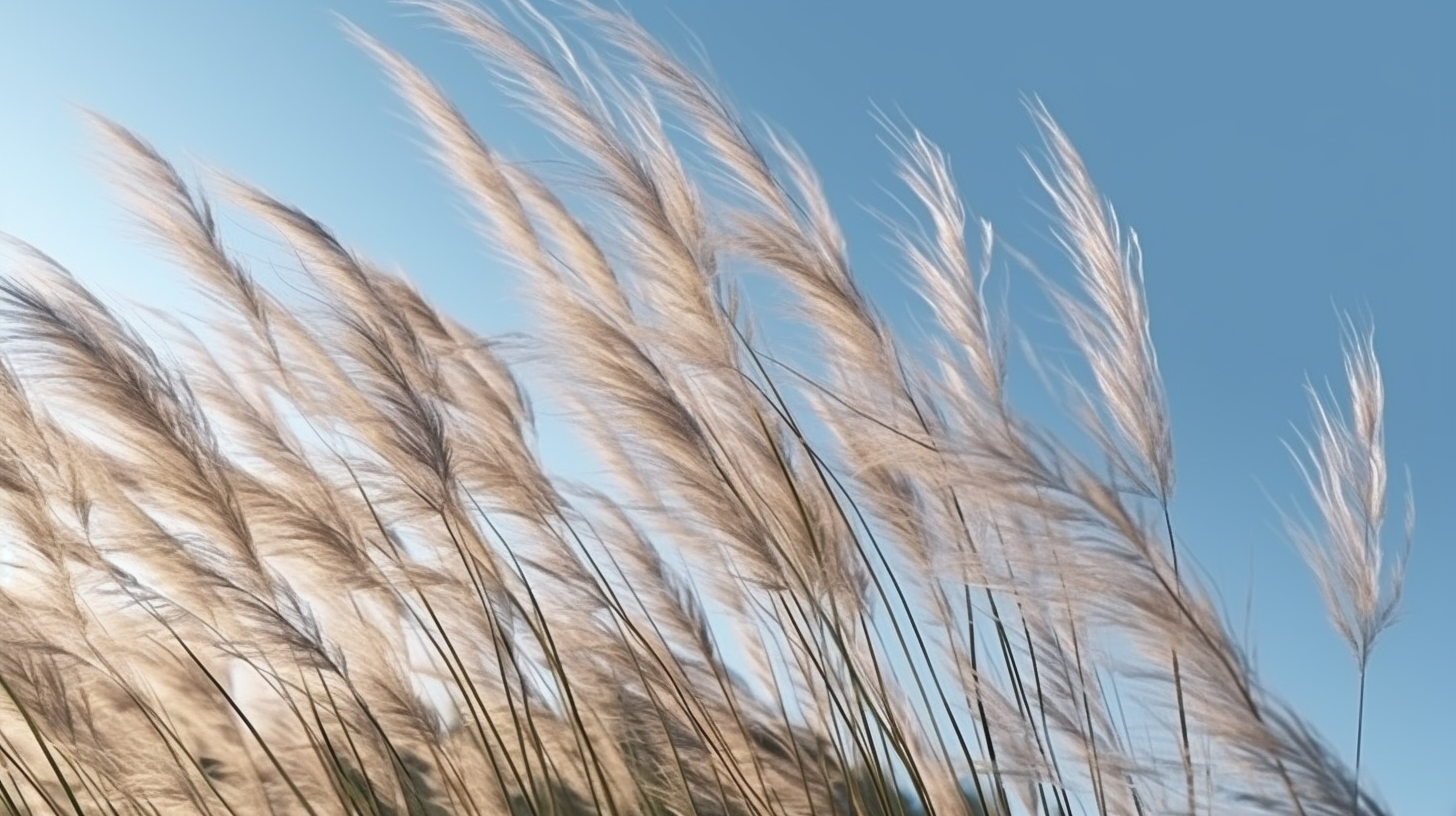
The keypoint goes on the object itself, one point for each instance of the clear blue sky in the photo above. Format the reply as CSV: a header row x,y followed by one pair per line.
x,y
1280,161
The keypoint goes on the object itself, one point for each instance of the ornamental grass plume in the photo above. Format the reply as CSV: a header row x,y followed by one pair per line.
x,y
1344,467
307,558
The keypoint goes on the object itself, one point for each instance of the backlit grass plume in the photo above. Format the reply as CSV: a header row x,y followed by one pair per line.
x,y
308,558
1345,469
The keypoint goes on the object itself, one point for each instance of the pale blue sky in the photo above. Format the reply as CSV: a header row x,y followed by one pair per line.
x,y
1280,161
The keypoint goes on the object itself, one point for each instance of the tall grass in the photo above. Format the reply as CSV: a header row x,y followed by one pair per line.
x,y
309,560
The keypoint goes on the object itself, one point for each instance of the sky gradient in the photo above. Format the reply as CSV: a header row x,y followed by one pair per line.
x,y
1281,164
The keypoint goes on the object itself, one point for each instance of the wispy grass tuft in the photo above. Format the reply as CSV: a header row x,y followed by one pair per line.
x,y
1345,469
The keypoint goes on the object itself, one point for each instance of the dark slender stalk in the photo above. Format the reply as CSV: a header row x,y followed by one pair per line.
x,y
1359,739
1178,672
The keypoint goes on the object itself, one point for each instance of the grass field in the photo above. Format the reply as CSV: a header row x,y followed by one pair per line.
x,y
305,556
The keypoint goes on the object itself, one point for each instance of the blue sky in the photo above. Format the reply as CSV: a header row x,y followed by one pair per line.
x,y
1280,162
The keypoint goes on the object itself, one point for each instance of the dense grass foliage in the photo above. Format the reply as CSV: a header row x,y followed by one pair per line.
x,y
308,559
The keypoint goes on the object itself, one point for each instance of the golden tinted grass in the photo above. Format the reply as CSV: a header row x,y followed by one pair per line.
x,y
310,561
